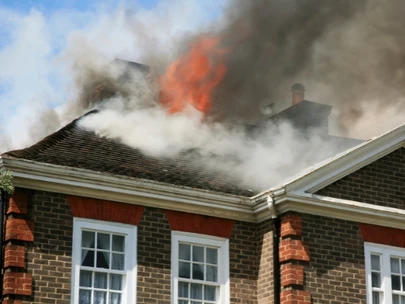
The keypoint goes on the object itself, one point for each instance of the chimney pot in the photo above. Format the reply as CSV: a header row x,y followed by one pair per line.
x,y
298,93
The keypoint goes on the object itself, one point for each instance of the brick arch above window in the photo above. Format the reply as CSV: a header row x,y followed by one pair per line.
x,y
103,210
382,235
201,224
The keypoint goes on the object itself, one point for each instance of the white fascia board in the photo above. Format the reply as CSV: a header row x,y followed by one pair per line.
x,y
342,209
67,180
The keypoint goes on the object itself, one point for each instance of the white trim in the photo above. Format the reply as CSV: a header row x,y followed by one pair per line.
x,y
386,252
223,261
67,180
129,293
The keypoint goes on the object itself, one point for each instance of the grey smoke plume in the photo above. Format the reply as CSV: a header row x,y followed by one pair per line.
x,y
347,53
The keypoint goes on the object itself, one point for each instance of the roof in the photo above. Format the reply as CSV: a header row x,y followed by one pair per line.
x,y
331,169
76,147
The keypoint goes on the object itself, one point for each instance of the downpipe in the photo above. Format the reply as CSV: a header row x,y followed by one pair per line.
x,y
276,240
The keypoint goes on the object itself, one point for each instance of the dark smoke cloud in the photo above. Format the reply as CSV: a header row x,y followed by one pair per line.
x,y
347,53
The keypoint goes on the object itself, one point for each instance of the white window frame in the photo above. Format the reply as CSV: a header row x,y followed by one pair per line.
x,y
386,252
204,240
129,289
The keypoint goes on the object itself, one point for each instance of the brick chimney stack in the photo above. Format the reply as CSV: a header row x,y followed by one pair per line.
x,y
298,93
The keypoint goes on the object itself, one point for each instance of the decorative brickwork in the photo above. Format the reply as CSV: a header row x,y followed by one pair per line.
x,y
18,203
291,225
202,224
293,250
292,254
292,275
14,256
20,230
102,210
383,235
380,183
295,297
336,272
17,283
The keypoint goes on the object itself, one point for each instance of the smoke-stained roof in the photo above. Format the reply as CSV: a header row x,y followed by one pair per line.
x,y
74,146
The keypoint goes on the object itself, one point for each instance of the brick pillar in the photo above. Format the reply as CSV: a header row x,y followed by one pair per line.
x,y
293,254
19,231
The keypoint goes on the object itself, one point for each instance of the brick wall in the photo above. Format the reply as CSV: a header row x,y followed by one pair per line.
x,y
154,248
335,273
265,292
380,183
48,258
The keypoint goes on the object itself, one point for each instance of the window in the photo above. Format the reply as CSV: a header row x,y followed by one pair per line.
x,y
200,269
385,268
104,262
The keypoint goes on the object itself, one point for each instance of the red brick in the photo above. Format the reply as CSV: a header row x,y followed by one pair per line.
x,y
14,256
105,210
17,283
292,275
293,250
10,301
19,229
291,225
18,203
295,297
188,222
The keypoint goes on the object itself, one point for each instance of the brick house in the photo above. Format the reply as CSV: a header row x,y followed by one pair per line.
x,y
94,221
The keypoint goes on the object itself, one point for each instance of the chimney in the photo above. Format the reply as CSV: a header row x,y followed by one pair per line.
x,y
298,92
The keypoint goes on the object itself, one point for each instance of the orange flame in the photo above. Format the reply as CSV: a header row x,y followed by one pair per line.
x,y
192,78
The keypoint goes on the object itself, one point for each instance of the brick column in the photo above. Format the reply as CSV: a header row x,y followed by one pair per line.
x,y
19,231
292,255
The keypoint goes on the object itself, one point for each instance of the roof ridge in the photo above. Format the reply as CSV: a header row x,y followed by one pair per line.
x,y
48,141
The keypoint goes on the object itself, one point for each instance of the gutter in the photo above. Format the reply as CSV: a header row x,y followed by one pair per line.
x,y
276,239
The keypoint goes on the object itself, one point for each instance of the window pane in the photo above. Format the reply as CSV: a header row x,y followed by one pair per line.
x,y
115,282
117,261
103,260
209,293
212,256
88,239
88,258
395,282
375,262
212,274
99,297
184,270
198,272
395,299
403,266
184,252
85,278
115,298
402,299
118,243
403,283
84,296
375,279
103,241
183,290
182,302
198,254
196,291
100,280
395,265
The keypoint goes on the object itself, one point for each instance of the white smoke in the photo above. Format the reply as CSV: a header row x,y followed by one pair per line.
x,y
42,56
